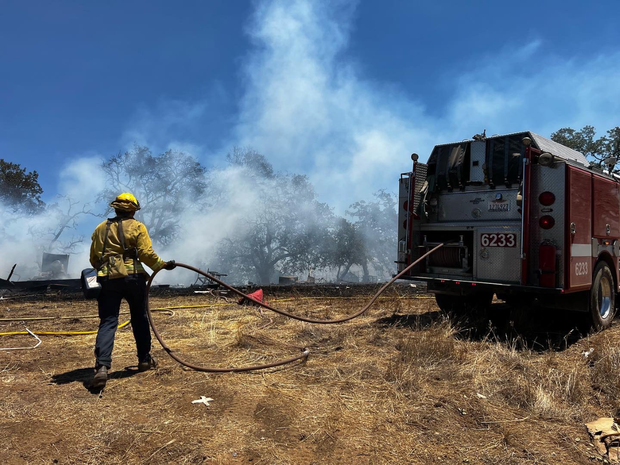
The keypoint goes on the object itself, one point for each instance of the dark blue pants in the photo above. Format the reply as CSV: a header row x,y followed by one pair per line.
x,y
133,289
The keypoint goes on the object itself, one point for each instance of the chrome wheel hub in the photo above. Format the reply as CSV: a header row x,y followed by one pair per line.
x,y
604,298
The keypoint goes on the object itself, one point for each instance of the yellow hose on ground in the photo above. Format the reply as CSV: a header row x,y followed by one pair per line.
x,y
59,333
73,317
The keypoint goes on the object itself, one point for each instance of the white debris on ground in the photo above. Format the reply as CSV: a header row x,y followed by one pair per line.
x,y
203,400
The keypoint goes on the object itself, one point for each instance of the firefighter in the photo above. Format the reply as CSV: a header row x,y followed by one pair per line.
x,y
119,247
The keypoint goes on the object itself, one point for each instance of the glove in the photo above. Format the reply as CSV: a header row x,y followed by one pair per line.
x,y
170,265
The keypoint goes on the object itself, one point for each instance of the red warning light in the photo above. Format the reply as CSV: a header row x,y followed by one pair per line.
x,y
546,222
547,198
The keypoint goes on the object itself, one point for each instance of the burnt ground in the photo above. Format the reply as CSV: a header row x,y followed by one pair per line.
x,y
401,384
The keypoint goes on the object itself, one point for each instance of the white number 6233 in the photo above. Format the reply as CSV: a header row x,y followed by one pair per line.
x,y
581,268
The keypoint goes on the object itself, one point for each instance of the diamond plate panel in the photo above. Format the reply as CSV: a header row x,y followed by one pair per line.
x,y
498,264
559,150
420,178
478,154
403,197
477,206
552,179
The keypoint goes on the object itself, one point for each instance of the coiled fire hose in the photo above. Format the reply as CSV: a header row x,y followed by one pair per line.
x,y
305,353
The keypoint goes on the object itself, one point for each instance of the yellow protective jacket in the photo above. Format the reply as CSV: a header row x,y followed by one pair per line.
x,y
137,241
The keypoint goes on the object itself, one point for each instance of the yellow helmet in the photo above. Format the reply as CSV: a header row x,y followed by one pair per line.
x,y
126,202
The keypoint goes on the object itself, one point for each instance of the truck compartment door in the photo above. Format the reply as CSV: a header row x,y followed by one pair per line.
x,y
606,223
579,229
497,254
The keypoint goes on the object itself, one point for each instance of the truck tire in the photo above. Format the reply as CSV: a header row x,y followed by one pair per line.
x,y
602,297
459,305
449,303
481,299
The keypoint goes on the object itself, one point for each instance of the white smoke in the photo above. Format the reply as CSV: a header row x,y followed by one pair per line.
x,y
210,220
25,237
15,243
310,109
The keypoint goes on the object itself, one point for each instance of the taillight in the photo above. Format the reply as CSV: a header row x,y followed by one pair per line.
x,y
546,198
547,264
546,222
406,205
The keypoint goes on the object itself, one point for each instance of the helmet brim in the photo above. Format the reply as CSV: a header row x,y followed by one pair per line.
x,y
125,206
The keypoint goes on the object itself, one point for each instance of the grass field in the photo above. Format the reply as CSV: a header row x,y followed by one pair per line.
x,y
401,384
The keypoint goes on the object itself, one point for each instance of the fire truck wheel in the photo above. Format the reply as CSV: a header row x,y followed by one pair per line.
x,y
459,305
602,298
449,303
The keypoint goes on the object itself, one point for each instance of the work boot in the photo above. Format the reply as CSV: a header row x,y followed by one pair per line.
x,y
149,363
101,377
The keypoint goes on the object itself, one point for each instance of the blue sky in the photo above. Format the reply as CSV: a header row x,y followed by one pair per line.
x,y
341,91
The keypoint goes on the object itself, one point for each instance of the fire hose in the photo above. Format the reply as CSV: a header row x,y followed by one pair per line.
x,y
305,353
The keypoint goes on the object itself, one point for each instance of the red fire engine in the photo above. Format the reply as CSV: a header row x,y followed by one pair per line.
x,y
520,216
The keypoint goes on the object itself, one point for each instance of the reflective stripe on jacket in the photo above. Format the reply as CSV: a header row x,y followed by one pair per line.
x,y
136,236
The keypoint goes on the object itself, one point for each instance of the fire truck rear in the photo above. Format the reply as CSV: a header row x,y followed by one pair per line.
x,y
520,216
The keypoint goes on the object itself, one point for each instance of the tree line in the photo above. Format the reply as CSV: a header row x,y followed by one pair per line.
x,y
596,149
284,228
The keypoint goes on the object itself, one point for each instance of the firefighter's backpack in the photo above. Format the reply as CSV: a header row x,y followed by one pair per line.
x,y
90,286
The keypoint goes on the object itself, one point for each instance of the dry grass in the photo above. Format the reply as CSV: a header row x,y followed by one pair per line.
x,y
434,354
401,384
605,367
